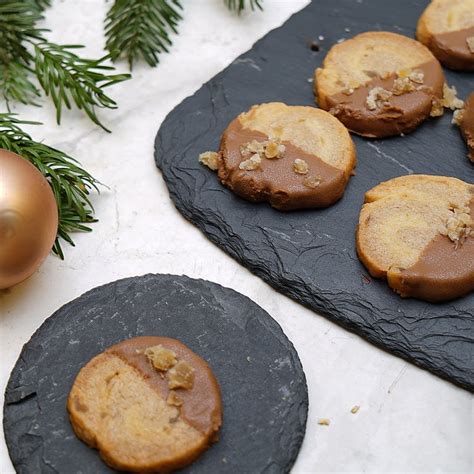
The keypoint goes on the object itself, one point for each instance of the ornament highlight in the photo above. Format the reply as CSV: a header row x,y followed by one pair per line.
x,y
28,219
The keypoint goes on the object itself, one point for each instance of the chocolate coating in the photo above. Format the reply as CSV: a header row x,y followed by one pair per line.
x,y
202,407
442,272
404,112
467,125
452,50
276,181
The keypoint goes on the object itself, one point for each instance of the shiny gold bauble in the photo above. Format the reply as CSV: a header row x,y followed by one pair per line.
x,y
28,218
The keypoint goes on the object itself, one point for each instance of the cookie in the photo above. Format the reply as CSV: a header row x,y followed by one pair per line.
x,y
416,232
380,84
447,28
465,119
293,157
148,404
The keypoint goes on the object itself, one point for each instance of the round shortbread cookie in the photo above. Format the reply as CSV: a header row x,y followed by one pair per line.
x,y
380,84
293,157
416,232
447,28
148,404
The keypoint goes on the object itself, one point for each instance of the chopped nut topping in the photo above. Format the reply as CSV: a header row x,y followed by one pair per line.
x,y
300,166
450,99
437,108
312,181
324,421
458,115
252,163
181,376
402,85
417,76
377,97
355,409
470,43
348,91
173,399
252,147
457,227
160,357
274,149
271,148
211,159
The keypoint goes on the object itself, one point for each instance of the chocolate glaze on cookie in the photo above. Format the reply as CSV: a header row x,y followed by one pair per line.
x,y
442,272
467,125
402,114
201,406
276,181
452,50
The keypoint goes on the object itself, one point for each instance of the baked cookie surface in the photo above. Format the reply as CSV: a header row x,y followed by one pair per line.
x,y
380,84
416,232
466,125
293,157
447,28
148,404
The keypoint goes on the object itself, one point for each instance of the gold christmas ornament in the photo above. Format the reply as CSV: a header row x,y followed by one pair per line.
x,y
28,219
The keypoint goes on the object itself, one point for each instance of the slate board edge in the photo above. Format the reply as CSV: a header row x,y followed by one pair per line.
x,y
282,286
276,329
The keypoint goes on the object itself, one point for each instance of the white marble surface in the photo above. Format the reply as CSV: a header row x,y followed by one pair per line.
x,y
409,420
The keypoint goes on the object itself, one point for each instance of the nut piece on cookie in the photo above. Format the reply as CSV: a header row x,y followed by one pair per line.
x,y
268,151
181,376
393,82
121,405
447,28
465,119
160,357
416,232
210,159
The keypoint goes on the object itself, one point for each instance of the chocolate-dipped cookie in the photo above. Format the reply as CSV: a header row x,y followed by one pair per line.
x,y
148,404
465,119
447,28
380,84
416,232
293,157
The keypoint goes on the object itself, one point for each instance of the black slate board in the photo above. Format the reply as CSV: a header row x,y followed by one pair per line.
x,y
263,385
310,256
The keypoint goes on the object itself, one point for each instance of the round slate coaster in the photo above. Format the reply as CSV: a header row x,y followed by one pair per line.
x,y
263,386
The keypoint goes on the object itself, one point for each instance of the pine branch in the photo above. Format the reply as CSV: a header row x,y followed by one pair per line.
x,y
240,5
63,75
68,78
71,185
137,29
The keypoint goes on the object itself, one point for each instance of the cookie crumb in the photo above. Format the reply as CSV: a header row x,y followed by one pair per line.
x,y
252,163
450,99
324,421
252,147
300,166
173,399
181,376
312,181
355,409
437,108
470,43
458,115
211,159
160,357
377,96
457,227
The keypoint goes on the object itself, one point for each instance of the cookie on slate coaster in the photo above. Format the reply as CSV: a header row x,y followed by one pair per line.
x,y
293,157
148,404
416,231
465,119
447,28
380,84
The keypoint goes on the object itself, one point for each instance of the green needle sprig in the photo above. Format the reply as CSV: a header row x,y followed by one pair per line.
x,y
240,5
64,76
71,184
